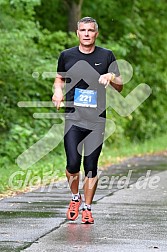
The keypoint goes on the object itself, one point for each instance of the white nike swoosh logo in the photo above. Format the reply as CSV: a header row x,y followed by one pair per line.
x,y
97,64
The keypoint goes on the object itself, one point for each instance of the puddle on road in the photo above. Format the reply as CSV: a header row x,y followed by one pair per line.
x,y
20,214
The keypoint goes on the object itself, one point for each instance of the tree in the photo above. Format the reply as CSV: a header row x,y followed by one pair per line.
x,y
59,14
74,10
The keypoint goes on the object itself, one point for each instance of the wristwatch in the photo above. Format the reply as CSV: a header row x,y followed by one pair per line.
x,y
112,77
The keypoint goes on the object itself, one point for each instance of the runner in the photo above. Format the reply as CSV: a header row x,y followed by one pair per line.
x,y
86,70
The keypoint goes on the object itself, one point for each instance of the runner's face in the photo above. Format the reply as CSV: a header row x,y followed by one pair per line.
x,y
87,34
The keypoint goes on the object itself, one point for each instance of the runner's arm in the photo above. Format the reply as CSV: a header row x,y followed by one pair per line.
x,y
57,97
112,79
116,82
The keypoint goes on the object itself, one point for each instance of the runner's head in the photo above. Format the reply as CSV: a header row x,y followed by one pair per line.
x,y
87,20
87,31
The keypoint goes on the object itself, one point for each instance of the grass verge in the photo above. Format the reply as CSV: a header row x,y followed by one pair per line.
x,y
51,168
111,154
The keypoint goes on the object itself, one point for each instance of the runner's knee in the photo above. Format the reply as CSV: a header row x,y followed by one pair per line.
x,y
73,167
91,172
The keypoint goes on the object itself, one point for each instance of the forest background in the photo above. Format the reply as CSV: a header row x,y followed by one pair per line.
x,y
32,35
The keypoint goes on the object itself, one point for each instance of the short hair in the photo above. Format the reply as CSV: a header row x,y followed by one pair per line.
x,y
88,20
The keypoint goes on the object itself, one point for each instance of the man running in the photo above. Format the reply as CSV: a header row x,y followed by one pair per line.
x,y
86,70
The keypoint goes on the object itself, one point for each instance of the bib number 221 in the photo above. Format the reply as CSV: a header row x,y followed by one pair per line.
x,y
85,98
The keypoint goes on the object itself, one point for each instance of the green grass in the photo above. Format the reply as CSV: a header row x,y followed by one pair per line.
x,y
111,154
49,169
52,167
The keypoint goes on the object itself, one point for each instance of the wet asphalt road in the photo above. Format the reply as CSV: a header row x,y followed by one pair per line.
x,y
130,211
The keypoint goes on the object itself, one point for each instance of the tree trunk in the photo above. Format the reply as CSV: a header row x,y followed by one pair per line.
x,y
74,9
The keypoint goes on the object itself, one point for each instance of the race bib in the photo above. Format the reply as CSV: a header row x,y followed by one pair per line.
x,y
85,98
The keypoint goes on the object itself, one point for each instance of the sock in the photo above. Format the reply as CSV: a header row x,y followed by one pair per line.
x,y
86,206
76,196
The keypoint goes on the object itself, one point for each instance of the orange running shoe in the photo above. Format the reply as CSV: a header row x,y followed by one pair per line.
x,y
87,217
73,209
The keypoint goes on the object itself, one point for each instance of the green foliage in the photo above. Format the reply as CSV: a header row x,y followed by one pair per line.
x,y
52,16
141,41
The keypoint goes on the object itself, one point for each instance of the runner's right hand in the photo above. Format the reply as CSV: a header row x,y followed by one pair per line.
x,y
57,97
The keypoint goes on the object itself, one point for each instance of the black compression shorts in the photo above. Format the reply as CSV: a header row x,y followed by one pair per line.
x,y
78,138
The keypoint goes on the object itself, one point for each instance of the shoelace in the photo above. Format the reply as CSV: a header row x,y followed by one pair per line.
x,y
73,205
87,214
